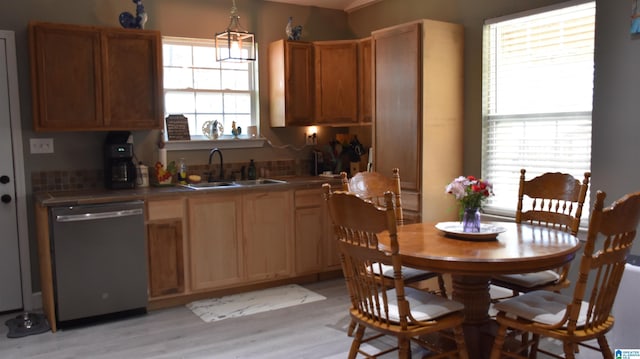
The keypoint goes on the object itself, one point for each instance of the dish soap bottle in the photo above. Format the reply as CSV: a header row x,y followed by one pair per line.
x,y
182,171
251,172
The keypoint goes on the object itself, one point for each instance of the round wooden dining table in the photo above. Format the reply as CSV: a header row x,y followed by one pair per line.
x,y
472,261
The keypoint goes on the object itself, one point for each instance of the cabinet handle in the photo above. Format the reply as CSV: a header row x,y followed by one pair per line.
x,y
5,198
4,179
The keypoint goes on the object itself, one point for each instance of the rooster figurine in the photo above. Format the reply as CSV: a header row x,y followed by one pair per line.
x,y
128,21
293,32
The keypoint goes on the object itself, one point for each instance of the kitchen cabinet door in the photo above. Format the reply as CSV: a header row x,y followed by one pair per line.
x,y
165,247
316,248
87,78
132,80
336,80
418,90
365,93
332,259
166,266
291,83
310,231
66,77
215,248
398,123
267,237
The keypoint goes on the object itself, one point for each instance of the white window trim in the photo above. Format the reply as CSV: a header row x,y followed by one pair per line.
x,y
500,211
242,141
200,142
536,11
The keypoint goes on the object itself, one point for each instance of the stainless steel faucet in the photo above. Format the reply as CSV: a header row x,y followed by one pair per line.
x,y
214,151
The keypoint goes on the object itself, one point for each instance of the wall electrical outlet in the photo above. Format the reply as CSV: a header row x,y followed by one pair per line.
x,y
41,145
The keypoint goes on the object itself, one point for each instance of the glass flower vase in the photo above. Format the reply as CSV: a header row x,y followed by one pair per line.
x,y
471,220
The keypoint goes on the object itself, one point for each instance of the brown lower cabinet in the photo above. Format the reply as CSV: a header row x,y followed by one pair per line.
x,y
315,247
310,230
267,235
166,265
165,247
215,249
205,244
216,241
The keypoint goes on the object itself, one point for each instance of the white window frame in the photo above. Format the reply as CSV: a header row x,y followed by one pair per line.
x,y
198,139
536,136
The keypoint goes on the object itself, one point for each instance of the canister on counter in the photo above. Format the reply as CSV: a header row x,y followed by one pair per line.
x,y
142,178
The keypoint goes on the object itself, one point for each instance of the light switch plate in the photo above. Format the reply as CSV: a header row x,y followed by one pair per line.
x,y
41,145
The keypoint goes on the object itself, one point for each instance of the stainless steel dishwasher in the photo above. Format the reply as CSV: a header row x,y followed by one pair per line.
x,y
99,261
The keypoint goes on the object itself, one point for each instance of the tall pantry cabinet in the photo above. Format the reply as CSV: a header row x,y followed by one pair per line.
x,y
418,91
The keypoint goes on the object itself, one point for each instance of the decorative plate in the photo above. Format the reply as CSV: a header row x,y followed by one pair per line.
x,y
488,231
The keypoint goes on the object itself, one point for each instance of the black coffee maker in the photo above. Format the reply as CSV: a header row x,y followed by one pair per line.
x,y
119,169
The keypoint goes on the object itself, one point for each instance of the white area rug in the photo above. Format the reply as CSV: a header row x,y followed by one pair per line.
x,y
237,305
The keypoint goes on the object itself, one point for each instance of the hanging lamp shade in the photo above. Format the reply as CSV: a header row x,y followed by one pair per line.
x,y
235,43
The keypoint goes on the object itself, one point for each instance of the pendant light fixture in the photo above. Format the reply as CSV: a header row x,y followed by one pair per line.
x,y
235,43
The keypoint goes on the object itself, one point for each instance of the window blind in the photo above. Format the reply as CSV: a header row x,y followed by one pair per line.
x,y
537,98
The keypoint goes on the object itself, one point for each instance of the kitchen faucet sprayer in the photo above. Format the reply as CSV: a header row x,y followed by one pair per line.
x,y
213,151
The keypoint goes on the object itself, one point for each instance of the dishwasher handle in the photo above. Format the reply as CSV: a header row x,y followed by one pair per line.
x,y
98,215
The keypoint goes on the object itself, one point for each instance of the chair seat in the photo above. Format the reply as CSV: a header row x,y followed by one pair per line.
x,y
530,280
541,306
424,306
409,274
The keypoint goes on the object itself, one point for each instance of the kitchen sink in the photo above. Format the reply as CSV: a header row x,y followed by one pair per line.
x,y
223,184
258,182
210,185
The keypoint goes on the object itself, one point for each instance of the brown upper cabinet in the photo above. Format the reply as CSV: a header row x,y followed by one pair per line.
x,y
291,83
87,78
320,83
336,75
365,98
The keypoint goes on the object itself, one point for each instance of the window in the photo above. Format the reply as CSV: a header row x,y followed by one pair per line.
x,y
202,89
537,97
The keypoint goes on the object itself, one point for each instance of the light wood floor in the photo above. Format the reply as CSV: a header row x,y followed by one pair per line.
x,y
313,330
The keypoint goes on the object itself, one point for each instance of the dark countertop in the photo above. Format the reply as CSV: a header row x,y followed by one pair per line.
x,y
79,197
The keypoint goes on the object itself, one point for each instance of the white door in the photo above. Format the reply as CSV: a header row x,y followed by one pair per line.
x,y
10,277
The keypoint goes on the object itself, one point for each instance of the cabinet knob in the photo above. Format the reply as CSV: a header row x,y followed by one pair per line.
x,y
4,179
5,198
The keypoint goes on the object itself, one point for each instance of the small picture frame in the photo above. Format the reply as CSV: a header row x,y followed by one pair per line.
x,y
177,128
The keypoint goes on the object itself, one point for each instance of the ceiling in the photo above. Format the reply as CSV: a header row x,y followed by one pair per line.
x,y
345,5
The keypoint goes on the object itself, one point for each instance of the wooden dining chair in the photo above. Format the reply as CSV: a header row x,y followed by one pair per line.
x,y
553,200
404,312
586,315
371,186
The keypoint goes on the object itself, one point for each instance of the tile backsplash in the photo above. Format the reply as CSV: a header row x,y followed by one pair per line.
x,y
94,179
67,180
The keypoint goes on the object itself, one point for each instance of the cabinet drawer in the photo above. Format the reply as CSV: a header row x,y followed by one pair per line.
x,y
165,209
309,198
